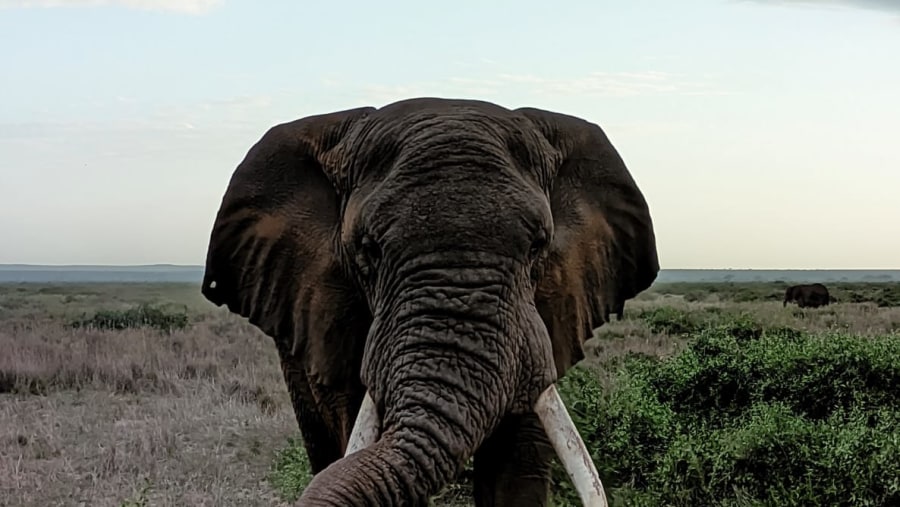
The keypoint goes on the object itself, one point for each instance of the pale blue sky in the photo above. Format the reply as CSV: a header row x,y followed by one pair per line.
x,y
764,134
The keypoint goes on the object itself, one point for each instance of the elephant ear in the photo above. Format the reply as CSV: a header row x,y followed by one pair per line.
x,y
604,247
272,254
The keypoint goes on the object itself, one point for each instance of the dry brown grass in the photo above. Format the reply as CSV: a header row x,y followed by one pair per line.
x,y
857,318
93,417
195,417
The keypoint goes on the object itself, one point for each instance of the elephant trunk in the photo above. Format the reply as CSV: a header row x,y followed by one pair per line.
x,y
550,409
443,366
402,468
434,418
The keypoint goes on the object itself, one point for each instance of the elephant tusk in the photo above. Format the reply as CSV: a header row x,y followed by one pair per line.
x,y
367,427
570,448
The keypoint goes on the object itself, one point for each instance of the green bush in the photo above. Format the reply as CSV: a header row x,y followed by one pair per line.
x,y
738,292
143,315
889,297
290,474
745,416
696,295
674,321
742,327
671,321
719,373
882,294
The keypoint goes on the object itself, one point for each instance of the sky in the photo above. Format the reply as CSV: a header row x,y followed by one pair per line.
x,y
763,133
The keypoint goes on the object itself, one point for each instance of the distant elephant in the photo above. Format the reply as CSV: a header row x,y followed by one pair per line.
x,y
430,269
811,295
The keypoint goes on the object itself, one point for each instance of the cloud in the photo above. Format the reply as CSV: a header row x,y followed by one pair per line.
x,y
614,84
124,115
594,84
242,101
882,5
245,112
181,6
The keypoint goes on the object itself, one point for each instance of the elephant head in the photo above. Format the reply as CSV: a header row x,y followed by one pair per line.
x,y
443,260
788,295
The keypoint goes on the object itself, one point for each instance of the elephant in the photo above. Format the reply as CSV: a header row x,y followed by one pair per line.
x,y
427,271
808,295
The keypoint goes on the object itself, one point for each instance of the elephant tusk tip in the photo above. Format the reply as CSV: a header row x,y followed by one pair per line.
x,y
367,427
570,448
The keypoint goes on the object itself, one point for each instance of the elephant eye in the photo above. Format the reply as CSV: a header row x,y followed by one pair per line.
x,y
368,256
538,245
370,249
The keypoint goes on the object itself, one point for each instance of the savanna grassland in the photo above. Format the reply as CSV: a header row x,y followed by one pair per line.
x,y
704,394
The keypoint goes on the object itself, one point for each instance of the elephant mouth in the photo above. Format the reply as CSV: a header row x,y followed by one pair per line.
x,y
560,429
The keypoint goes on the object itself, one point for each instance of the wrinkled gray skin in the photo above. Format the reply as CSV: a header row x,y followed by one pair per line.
x,y
451,257
809,295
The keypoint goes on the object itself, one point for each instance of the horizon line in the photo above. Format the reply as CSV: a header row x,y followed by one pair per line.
x,y
201,266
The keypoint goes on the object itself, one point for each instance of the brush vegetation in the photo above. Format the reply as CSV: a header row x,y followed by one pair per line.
x,y
704,394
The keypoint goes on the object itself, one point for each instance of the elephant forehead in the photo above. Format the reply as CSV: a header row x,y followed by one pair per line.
x,y
453,210
448,172
425,135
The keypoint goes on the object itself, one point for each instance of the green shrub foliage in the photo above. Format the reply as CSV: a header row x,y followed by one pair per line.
x,y
745,416
140,316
